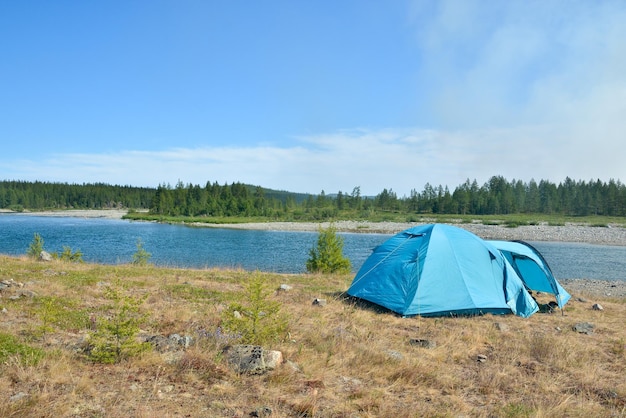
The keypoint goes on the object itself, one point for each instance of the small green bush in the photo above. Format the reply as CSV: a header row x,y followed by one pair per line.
x,y
36,246
68,255
115,338
327,256
141,256
257,319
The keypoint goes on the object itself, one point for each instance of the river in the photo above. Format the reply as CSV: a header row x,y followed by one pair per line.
x,y
111,241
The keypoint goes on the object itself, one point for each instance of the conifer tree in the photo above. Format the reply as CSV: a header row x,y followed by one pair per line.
x,y
327,256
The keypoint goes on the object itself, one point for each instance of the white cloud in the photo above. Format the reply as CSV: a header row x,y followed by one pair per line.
x,y
402,160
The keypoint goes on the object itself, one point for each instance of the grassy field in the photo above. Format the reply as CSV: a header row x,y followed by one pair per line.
x,y
346,359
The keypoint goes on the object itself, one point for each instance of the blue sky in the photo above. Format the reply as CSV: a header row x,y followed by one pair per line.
x,y
312,95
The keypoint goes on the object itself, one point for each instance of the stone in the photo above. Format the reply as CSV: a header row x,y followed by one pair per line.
x,y
172,343
18,396
273,358
584,328
481,358
253,359
394,355
264,411
319,302
27,293
163,344
597,307
285,288
420,342
183,341
45,256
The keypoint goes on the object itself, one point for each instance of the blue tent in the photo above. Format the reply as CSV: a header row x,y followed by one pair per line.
x,y
532,268
436,270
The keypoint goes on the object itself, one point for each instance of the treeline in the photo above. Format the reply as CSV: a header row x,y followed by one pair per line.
x,y
19,195
497,196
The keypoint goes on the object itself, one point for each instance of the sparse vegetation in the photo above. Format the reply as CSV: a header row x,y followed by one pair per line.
x,y
351,359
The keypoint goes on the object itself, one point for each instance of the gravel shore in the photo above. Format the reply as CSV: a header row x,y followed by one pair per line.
x,y
566,233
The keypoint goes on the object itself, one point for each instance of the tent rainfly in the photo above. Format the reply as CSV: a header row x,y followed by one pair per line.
x,y
438,270
532,268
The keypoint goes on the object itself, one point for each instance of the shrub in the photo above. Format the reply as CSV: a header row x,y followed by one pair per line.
x,y
257,320
141,256
115,337
327,256
36,246
69,256
58,312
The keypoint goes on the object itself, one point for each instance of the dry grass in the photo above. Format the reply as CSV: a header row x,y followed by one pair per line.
x,y
347,358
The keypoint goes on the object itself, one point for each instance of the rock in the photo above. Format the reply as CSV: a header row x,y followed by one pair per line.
x,y
583,300
319,302
45,256
273,358
253,359
184,341
597,307
285,288
4,310
394,355
584,328
423,343
481,358
18,396
161,343
172,343
237,315
264,411
27,293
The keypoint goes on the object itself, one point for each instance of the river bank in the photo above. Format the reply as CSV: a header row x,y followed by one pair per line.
x,y
569,232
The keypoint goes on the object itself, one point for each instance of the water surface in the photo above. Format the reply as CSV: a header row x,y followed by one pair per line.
x,y
111,241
